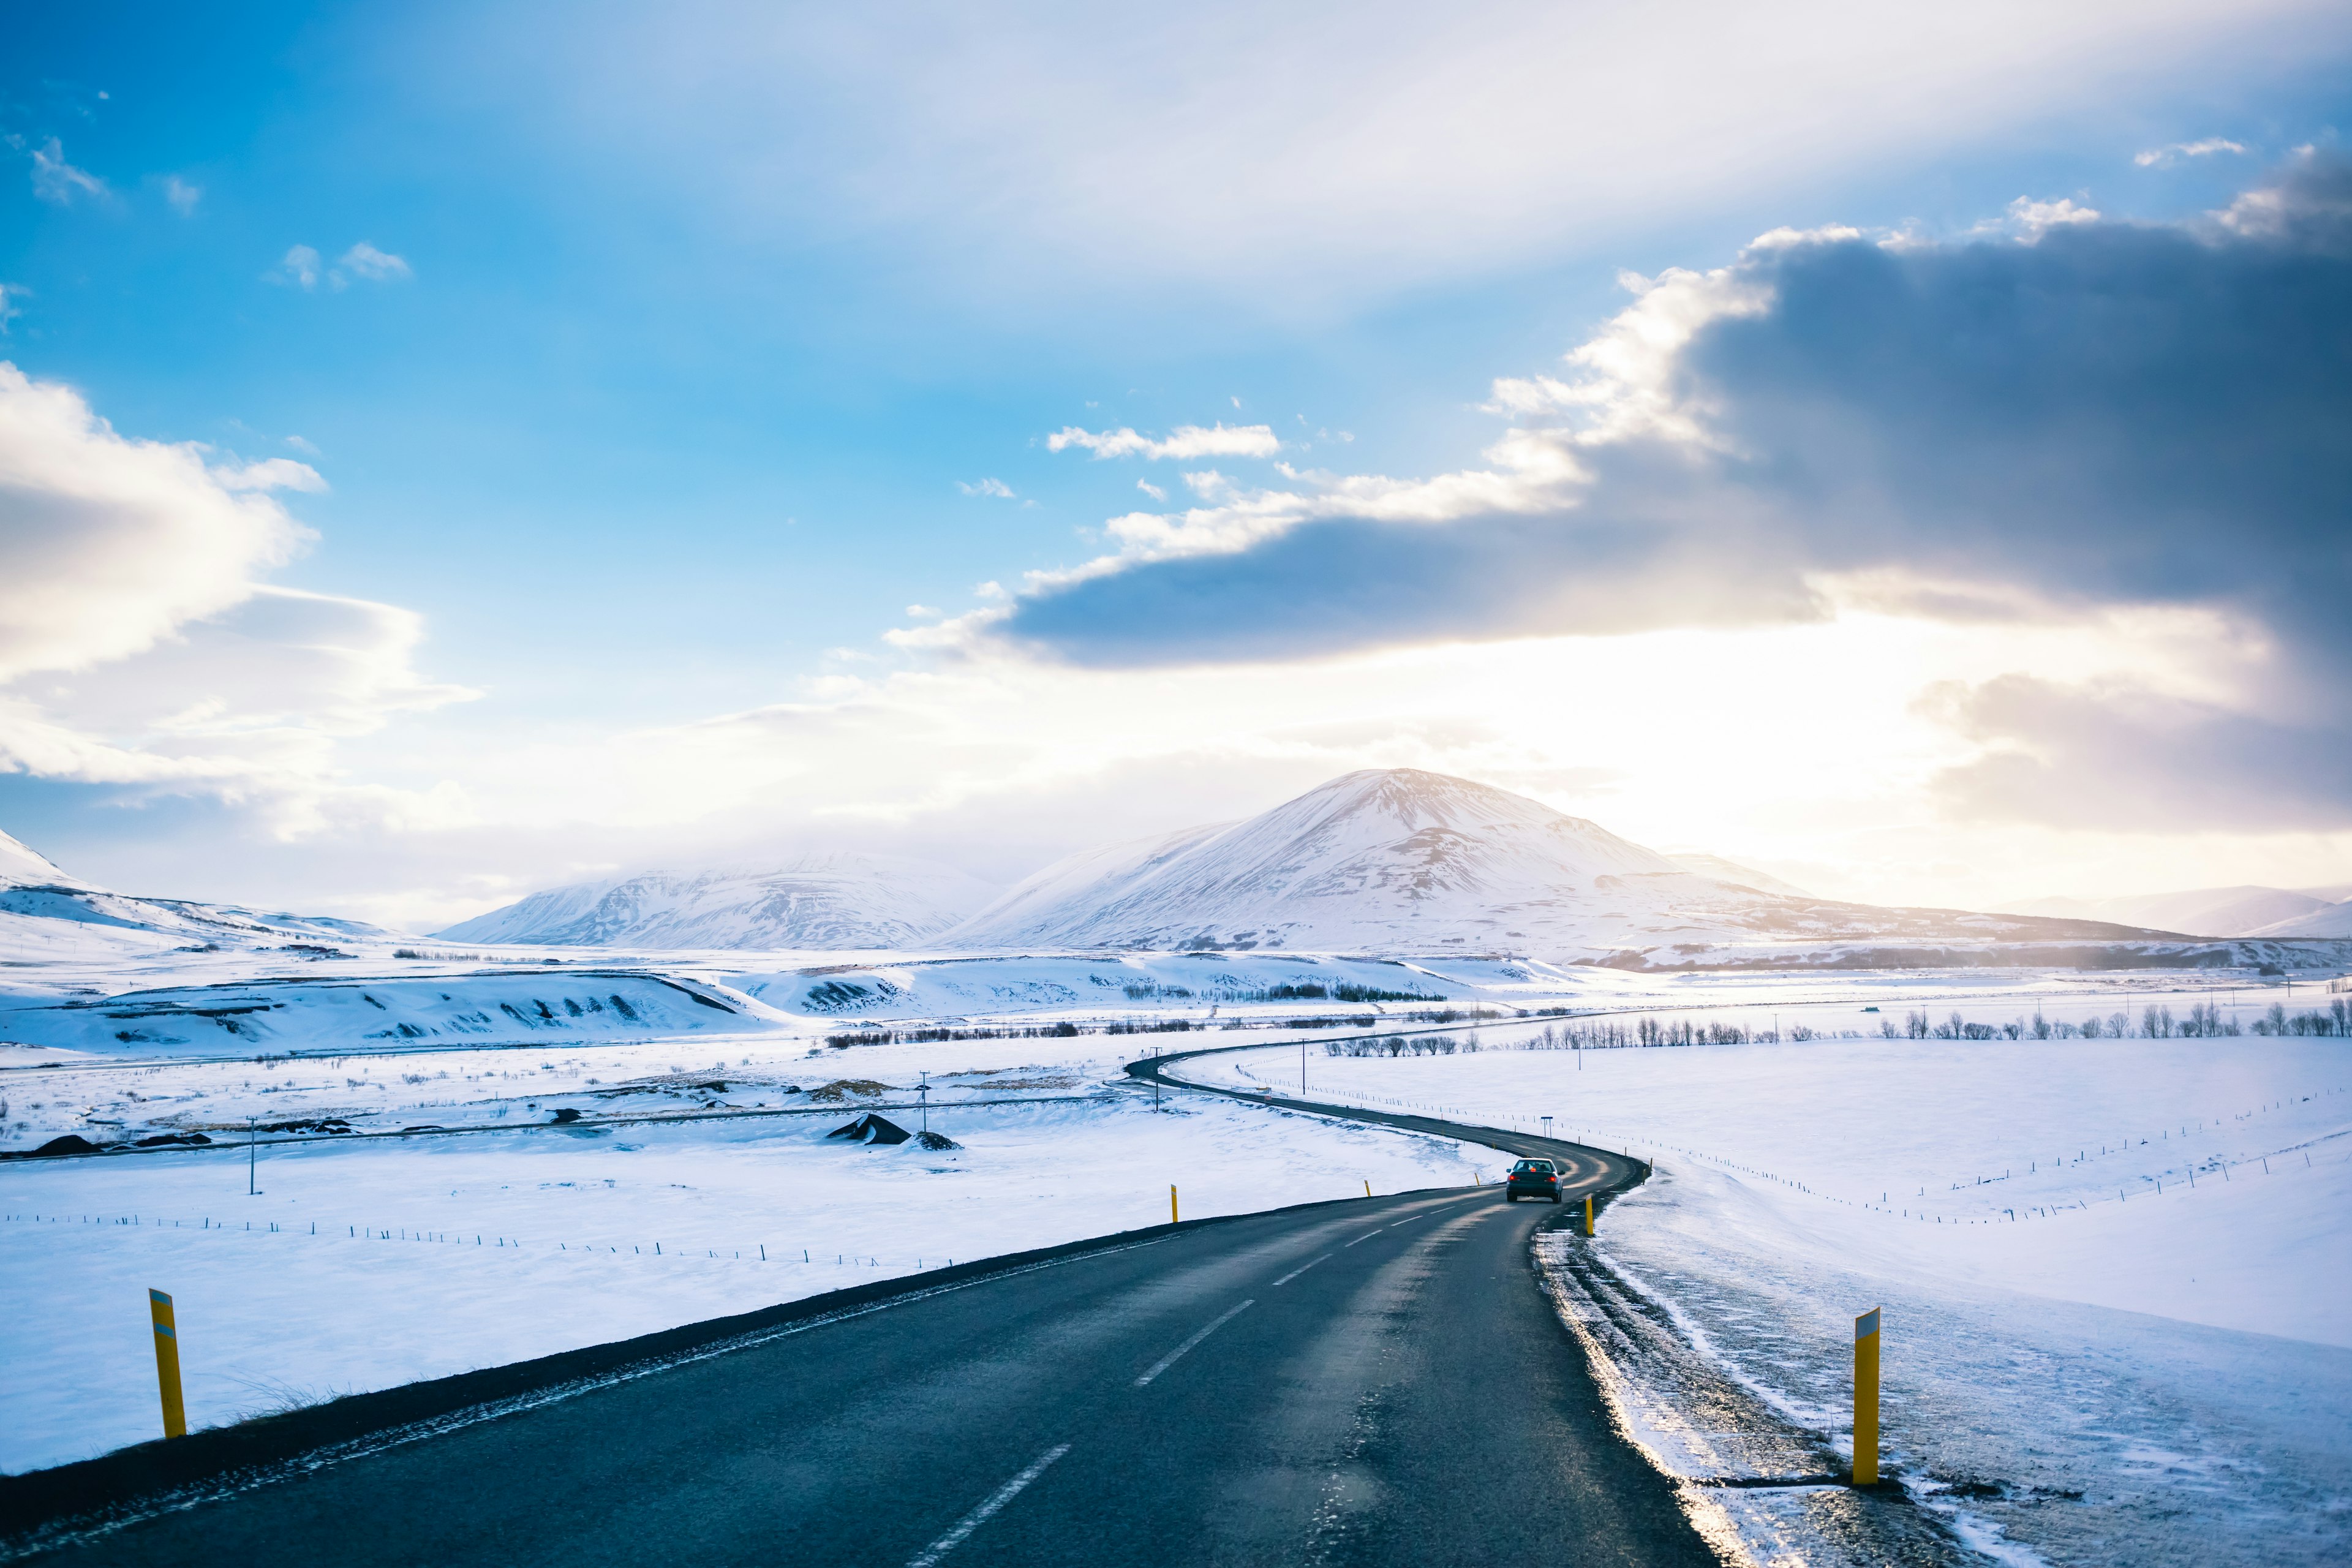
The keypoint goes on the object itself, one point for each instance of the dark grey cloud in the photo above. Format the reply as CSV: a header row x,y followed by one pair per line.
x,y
2115,414
2116,756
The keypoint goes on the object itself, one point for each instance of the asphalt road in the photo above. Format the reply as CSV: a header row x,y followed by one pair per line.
x,y
1373,1382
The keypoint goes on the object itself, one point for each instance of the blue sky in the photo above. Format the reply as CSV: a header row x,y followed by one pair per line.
x,y
681,343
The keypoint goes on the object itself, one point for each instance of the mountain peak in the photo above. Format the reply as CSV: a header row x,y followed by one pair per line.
x,y
1381,857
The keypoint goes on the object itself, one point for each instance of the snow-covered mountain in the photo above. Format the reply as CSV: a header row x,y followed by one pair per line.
x,y
814,901
1401,861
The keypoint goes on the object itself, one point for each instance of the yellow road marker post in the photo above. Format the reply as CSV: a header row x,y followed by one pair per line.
x,y
1368,1186
1866,1399
1588,1214
1171,1203
167,1364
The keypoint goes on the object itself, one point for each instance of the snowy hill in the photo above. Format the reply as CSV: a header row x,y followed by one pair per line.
x,y
1401,861
2247,910
22,867
46,911
1719,869
816,901
2328,920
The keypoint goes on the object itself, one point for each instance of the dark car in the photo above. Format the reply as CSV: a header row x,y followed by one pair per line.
x,y
1534,1179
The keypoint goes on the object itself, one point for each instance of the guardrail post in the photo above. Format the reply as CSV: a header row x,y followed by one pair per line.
x,y
167,1364
1866,1399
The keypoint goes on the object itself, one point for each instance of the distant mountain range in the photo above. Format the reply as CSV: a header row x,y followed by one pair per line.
x,y
1390,862
816,902
2253,911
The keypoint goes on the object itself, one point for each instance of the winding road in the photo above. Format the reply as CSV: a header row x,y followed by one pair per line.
x,y
1375,1381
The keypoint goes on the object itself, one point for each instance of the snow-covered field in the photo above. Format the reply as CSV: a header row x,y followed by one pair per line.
x,y
2081,1367
2057,1325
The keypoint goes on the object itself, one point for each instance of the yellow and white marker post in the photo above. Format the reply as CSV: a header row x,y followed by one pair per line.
x,y
1171,1203
167,1364
1866,1399
1588,1214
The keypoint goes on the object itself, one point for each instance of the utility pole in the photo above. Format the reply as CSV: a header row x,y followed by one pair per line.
x,y
923,1092
1302,1067
251,1190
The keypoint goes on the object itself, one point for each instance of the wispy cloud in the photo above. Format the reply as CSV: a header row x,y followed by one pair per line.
x,y
303,268
182,196
1186,441
55,180
1154,491
2165,157
270,474
9,294
364,261
990,487
299,268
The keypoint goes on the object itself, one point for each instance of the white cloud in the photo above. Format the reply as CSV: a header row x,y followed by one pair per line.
x,y
299,267
1186,441
9,294
2165,157
1154,491
300,444
182,196
2033,220
137,646
375,266
996,487
55,180
106,544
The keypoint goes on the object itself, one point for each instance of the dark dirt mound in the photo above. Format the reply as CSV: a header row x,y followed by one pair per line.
x,y
936,1140
162,1139
71,1143
872,1129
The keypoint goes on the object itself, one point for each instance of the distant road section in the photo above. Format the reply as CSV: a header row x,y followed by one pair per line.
x,y
1379,1381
